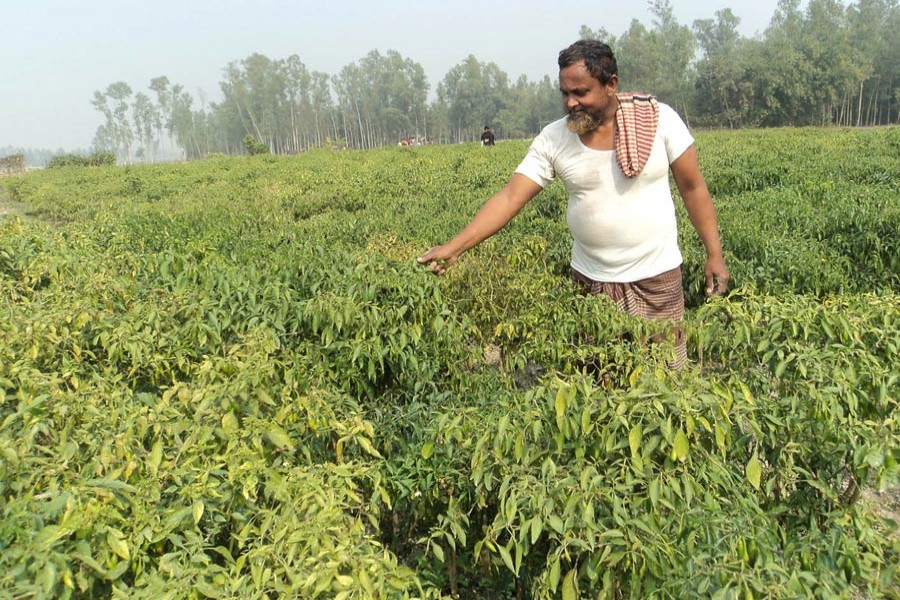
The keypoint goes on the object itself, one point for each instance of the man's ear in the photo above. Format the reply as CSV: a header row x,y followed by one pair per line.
x,y
612,85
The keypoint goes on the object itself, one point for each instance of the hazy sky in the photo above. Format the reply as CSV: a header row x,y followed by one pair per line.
x,y
57,53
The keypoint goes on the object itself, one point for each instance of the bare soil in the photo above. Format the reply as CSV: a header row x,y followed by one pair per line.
x,y
8,207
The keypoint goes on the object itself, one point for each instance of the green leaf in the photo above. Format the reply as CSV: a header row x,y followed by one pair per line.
x,y
637,463
875,458
536,527
438,551
280,438
556,523
230,424
634,376
634,439
209,591
612,533
427,450
568,589
82,555
155,457
9,454
511,508
587,515
366,444
48,577
197,511
366,582
720,437
779,369
560,403
754,471
681,445
553,578
48,535
585,420
110,484
507,559
385,497
116,543
748,395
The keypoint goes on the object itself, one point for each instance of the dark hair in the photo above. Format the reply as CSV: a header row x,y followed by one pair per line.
x,y
597,56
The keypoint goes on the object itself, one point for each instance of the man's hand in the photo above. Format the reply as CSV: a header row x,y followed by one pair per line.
x,y
490,218
717,276
438,259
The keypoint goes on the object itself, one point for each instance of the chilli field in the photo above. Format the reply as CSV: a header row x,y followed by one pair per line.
x,y
230,379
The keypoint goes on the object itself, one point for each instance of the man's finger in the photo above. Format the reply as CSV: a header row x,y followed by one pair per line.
x,y
716,286
429,255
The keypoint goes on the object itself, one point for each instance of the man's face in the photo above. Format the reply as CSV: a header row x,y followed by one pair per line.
x,y
588,102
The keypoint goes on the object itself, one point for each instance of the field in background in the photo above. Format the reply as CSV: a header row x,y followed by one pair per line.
x,y
228,378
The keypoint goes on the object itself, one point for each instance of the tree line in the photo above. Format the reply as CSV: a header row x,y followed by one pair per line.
x,y
827,64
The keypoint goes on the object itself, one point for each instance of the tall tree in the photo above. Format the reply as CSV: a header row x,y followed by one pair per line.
x,y
323,110
163,117
827,63
184,124
245,87
299,109
839,65
722,97
105,138
638,59
874,26
674,46
812,69
116,133
381,99
655,60
531,106
474,93
601,34
120,93
144,116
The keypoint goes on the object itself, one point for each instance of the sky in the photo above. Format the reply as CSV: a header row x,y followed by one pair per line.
x,y
57,53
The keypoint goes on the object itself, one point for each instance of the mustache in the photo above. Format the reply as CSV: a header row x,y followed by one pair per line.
x,y
579,112
581,121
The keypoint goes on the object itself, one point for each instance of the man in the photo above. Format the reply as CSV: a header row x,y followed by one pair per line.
x,y
487,137
613,152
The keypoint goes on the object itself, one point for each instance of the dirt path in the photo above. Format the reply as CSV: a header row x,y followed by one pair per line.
x,y
886,503
8,207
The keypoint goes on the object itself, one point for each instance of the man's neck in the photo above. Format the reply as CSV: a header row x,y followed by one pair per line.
x,y
601,138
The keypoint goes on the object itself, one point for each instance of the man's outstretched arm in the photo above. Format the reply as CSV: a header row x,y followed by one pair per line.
x,y
490,218
699,205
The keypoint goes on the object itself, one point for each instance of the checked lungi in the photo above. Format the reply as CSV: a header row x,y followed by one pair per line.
x,y
660,297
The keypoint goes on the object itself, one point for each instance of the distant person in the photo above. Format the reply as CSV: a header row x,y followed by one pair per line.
x,y
487,137
613,151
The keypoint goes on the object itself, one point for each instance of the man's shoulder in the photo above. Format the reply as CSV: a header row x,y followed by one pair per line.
x,y
668,114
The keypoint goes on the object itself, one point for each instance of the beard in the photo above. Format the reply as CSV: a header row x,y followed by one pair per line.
x,y
582,121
